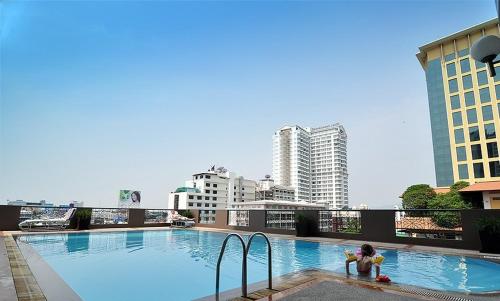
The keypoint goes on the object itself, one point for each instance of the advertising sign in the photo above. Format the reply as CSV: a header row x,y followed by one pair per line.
x,y
129,199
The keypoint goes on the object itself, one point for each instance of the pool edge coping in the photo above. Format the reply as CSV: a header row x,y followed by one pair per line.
x,y
25,284
52,285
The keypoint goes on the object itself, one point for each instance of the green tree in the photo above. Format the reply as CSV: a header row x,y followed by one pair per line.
x,y
458,185
450,200
418,196
186,213
353,226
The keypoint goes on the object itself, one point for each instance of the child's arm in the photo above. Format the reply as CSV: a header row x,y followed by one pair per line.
x,y
347,262
377,270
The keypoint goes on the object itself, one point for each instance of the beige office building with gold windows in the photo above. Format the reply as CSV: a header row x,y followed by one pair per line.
x,y
464,108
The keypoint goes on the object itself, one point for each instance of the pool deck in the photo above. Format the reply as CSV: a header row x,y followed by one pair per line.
x,y
7,288
317,284
21,279
336,290
330,286
328,290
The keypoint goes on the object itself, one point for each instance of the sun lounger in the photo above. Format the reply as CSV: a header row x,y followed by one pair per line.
x,y
181,221
48,223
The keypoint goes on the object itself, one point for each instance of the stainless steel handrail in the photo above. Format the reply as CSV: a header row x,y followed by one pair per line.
x,y
243,268
269,258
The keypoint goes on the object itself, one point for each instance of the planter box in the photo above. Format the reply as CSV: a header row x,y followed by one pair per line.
x,y
306,228
490,242
301,230
84,224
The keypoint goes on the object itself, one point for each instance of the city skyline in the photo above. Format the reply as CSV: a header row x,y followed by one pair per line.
x,y
90,108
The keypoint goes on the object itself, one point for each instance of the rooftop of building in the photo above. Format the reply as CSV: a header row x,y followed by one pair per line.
x,y
283,187
290,127
483,186
332,126
210,173
421,56
440,190
336,125
187,189
421,224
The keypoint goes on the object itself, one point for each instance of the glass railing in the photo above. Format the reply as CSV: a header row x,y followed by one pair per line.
x,y
115,216
238,218
207,217
157,216
42,213
430,224
280,219
340,221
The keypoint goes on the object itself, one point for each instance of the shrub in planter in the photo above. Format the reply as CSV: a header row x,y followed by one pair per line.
x,y
300,225
81,219
305,226
186,213
489,234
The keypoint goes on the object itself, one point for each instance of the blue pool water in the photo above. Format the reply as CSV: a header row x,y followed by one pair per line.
x,y
180,264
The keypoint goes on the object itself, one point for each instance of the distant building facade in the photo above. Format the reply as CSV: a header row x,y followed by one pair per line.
x,y
314,162
279,205
267,190
212,190
360,207
464,108
41,203
292,160
73,204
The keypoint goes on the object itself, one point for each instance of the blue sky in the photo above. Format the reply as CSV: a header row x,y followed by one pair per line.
x,y
107,95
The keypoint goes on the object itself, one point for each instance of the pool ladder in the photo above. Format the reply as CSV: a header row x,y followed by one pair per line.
x,y
246,249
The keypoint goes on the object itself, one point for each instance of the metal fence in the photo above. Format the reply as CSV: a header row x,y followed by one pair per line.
x,y
115,216
239,218
431,224
280,219
340,221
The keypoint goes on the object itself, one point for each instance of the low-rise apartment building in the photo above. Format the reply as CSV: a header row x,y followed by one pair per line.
x,y
267,190
212,190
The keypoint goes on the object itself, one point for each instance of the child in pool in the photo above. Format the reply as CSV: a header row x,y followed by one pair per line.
x,y
364,261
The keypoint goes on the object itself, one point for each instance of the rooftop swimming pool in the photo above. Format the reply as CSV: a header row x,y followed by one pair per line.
x,y
180,264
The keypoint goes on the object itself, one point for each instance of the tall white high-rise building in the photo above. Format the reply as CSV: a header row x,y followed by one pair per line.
x,y
329,182
291,160
314,162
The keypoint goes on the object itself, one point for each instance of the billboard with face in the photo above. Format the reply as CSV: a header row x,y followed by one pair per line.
x,y
129,199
